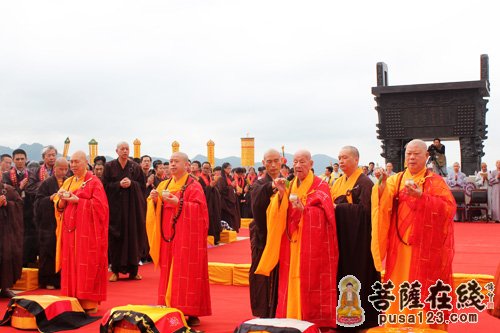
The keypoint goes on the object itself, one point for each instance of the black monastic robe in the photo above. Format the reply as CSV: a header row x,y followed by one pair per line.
x,y
11,237
354,231
263,289
35,180
46,222
150,187
30,241
214,209
127,216
230,210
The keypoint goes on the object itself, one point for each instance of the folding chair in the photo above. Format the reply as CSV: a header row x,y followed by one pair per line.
x,y
459,196
478,202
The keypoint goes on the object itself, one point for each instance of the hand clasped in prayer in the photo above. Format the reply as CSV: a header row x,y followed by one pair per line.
x,y
125,182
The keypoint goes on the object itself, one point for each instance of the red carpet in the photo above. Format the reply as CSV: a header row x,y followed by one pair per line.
x,y
477,247
230,304
477,251
236,252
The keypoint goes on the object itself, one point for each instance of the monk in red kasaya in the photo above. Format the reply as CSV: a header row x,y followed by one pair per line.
x,y
412,217
177,228
82,235
302,236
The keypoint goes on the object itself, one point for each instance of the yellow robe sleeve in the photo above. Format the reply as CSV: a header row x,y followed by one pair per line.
x,y
59,222
381,221
153,227
335,189
276,223
59,217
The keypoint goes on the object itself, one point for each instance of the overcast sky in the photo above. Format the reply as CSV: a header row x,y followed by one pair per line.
x,y
293,73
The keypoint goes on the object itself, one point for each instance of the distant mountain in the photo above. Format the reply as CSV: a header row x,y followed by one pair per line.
x,y
34,150
321,161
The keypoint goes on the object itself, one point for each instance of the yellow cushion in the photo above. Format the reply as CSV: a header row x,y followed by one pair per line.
x,y
245,222
240,274
124,319
22,319
220,273
227,236
482,279
28,280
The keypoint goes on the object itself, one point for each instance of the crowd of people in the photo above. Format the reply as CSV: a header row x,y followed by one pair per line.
x,y
76,220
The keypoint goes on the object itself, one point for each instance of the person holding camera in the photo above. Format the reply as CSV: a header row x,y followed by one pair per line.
x,y
437,157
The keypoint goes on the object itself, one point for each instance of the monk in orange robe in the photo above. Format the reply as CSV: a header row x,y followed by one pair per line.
x,y
302,236
177,228
82,216
412,217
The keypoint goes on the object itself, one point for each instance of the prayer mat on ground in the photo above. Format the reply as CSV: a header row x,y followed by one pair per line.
x,y
46,313
276,325
144,319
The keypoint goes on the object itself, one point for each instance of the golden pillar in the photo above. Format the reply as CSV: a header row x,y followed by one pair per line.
x,y
175,147
137,148
247,152
211,153
93,145
66,147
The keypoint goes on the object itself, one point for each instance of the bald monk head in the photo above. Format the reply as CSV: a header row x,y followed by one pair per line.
x,y
272,162
179,164
60,168
416,156
302,164
78,163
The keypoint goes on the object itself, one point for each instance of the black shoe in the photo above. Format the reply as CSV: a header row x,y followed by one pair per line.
x,y
6,293
193,321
